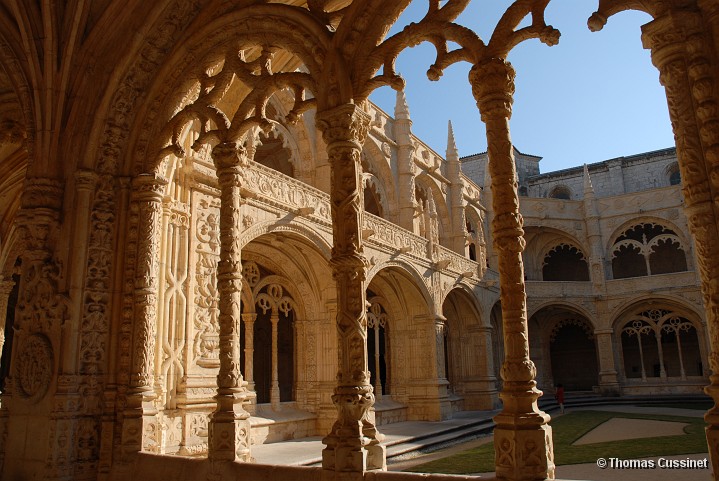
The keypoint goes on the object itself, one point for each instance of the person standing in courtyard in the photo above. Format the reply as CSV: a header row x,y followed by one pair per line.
x,y
559,394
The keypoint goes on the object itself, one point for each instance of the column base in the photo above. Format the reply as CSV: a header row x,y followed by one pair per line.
x,y
712,419
353,459
140,428
229,437
524,454
353,445
523,439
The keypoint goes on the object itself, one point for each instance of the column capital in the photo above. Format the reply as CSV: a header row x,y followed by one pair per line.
x,y
229,156
492,83
85,180
670,32
345,123
149,187
249,317
42,192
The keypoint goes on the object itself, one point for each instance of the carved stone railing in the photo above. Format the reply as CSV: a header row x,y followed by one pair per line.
x,y
458,263
379,231
650,283
559,289
280,190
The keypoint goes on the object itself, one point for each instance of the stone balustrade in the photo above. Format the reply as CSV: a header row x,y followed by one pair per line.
x,y
274,188
557,289
282,191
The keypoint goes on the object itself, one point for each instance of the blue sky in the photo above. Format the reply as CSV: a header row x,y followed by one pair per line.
x,y
593,97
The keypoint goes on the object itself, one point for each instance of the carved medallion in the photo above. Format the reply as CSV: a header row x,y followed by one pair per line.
x,y
34,368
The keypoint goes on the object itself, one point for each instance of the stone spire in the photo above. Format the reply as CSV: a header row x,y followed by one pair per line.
x,y
453,170
405,161
452,152
588,188
401,109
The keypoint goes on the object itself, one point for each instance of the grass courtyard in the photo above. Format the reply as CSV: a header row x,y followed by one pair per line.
x,y
569,427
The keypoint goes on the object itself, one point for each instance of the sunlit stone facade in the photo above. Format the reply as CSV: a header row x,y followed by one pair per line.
x,y
211,239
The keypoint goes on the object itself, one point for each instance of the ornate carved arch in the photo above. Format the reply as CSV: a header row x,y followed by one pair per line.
x,y
621,313
569,306
636,221
255,230
410,271
463,293
210,55
300,287
571,321
382,171
540,241
424,181
560,191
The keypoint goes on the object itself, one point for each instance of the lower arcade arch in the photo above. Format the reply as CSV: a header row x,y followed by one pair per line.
x,y
283,328
660,342
564,349
401,326
468,351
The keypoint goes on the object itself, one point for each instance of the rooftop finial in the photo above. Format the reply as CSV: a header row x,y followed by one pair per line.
x,y
401,109
452,152
588,188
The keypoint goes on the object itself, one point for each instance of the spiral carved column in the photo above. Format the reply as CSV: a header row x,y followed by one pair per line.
x,y
682,50
522,438
140,421
249,320
229,429
353,444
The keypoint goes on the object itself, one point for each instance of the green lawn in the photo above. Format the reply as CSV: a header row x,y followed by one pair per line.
x,y
570,427
697,405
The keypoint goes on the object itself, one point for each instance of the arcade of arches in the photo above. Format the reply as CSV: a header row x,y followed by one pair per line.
x,y
210,239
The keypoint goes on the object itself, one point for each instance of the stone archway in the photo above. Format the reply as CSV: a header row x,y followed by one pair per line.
x,y
563,344
661,345
573,355
399,300
469,358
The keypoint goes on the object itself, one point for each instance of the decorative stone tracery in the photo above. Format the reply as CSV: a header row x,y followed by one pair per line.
x,y
682,49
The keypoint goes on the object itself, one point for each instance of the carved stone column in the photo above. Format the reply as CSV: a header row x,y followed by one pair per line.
x,y
522,438
249,320
608,382
275,387
229,430
139,429
353,444
5,290
686,58
440,327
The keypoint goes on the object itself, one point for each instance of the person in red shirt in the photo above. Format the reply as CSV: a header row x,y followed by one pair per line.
x,y
559,394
